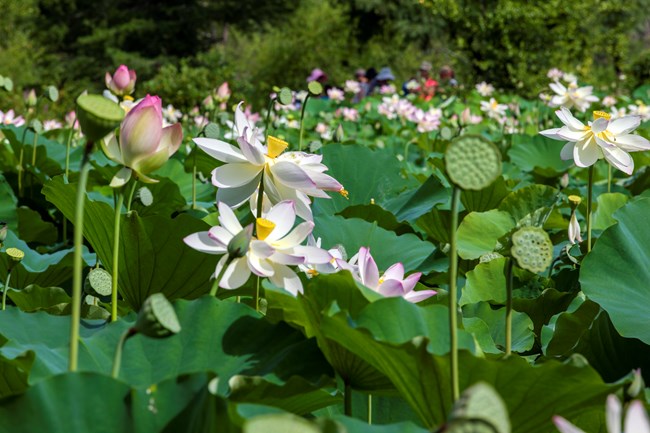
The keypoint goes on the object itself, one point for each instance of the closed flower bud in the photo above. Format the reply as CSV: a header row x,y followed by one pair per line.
x,y
238,245
122,82
157,318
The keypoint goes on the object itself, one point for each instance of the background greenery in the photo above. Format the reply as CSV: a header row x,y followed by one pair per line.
x,y
183,48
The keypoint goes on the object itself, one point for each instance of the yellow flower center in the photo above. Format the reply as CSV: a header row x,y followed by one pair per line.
x,y
276,146
264,228
381,281
602,115
344,193
312,272
127,97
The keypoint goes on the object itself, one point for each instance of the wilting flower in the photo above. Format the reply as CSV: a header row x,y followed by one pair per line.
x,y
636,418
391,284
9,118
286,175
484,89
122,82
144,145
602,138
493,109
270,253
352,86
554,74
336,94
574,226
572,95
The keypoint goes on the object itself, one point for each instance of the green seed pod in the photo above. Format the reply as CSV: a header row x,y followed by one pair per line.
x,y
157,318
285,96
98,283
315,88
532,248
488,257
15,254
479,409
472,162
212,130
98,116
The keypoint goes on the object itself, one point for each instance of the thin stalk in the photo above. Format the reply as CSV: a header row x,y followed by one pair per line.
x,y
128,203
590,187
453,294
21,169
117,359
302,116
116,252
68,142
215,285
31,178
194,181
256,297
4,291
509,275
609,178
369,409
347,399
260,197
78,263
268,116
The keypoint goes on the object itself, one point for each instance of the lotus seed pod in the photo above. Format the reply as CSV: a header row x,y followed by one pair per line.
x,y
157,318
98,116
285,96
145,196
15,254
315,88
239,244
472,162
574,201
532,248
98,283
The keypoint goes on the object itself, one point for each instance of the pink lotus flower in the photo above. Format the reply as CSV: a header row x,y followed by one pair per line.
x,y
144,145
122,82
9,118
391,284
223,92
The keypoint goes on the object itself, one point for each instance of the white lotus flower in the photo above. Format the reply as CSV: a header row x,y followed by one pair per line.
x,y
286,175
555,74
352,86
270,252
636,418
572,95
336,253
602,138
391,284
574,229
493,109
484,89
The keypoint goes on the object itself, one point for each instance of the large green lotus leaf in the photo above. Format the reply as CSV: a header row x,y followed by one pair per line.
x,y
530,152
386,247
153,257
217,336
32,228
608,203
374,213
485,199
356,425
525,203
616,272
522,327
174,171
42,269
479,232
436,224
44,165
486,282
545,306
14,374
8,203
167,199
586,329
79,402
35,297
286,423
366,174
410,205
423,379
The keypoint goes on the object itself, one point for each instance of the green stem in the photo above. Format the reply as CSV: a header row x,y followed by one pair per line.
x,y
78,261
347,399
268,117
68,142
21,169
260,197
609,178
369,409
256,297
116,252
194,181
31,178
215,285
590,187
453,295
128,203
4,291
117,359
509,275
302,116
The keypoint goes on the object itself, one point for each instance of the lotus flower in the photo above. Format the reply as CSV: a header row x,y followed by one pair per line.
x,y
275,246
144,145
122,82
636,418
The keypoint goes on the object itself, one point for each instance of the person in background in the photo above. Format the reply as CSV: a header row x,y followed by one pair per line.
x,y
416,83
383,78
317,75
370,75
448,81
428,90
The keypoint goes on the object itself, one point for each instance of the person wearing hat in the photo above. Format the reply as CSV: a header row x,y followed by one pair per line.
x,y
384,77
418,83
448,79
317,75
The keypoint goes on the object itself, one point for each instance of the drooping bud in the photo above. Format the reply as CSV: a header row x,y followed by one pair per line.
x,y
31,99
157,318
637,386
239,244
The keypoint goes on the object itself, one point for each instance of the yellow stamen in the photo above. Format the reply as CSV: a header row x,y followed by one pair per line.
x,y
602,114
344,193
381,281
276,146
264,228
128,98
372,201
312,272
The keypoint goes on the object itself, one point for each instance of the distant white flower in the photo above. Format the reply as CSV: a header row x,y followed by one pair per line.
x,y
336,253
602,138
572,96
171,114
493,109
609,101
324,131
640,109
336,94
636,418
352,86
350,114
555,74
484,89
570,78
51,124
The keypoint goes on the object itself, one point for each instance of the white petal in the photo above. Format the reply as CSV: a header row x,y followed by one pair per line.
x,y
565,426
619,159
599,125
236,274
313,255
111,148
121,177
567,118
291,175
261,249
368,269
220,150
286,278
220,236
296,237
614,411
287,259
624,125
420,295
260,266
567,151
571,135
228,219
236,175
551,133
241,121
395,272
253,154
636,419
283,216
202,242
586,154
558,88
632,142
235,197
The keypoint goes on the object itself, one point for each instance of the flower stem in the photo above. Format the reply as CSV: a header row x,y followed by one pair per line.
x,y
302,116
453,295
609,178
117,359
194,181
78,263
68,142
590,187
260,197
509,275
128,203
268,116
21,170
347,399
215,285
369,409
116,252
31,178
4,291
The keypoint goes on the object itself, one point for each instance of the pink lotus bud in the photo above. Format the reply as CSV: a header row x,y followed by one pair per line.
x,y
144,145
223,92
122,82
466,116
